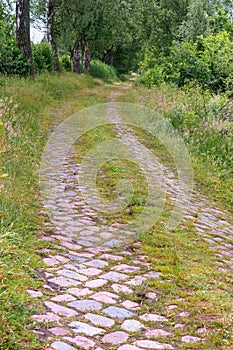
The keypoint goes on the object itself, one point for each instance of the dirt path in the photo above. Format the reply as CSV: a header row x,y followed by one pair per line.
x,y
91,290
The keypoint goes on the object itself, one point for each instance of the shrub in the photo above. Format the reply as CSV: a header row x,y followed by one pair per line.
x,y
184,65
103,71
217,54
12,61
153,76
43,57
208,62
66,63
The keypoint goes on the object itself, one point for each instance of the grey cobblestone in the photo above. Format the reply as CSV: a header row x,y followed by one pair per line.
x,y
84,275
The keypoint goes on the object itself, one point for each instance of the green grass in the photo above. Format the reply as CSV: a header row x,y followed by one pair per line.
x,y
188,267
103,71
189,278
29,111
205,123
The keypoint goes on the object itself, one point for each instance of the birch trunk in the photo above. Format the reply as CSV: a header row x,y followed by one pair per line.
x,y
50,32
23,30
76,57
87,58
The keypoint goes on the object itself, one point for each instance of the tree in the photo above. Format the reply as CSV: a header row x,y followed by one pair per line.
x,y
75,34
50,18
109,30
76,56
105,29
161,23
196,22
6,19
221,20
23,30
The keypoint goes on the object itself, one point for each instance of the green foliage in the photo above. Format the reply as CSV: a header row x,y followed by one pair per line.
x,y
196,22
43,57
152,77
207,61
125,58
103,71
12,61
149,60
204,120
184,64
2,31
111,28
66,63
6,19
161,23
221,21
217,54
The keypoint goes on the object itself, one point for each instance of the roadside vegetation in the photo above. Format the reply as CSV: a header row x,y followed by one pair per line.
x,y
24,130
204,119
26,111
181,52
190,82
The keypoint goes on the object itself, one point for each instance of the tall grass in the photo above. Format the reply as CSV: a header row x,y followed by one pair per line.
x,y
205,122
98,69
25,122
103,71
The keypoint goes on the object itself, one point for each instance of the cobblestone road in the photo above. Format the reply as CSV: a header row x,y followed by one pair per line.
x,y
90,286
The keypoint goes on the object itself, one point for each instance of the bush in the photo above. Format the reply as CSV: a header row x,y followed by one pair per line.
x,y
184,65
12,61
217,54
103,71
66,63
43,57
153,76
149,61
209,62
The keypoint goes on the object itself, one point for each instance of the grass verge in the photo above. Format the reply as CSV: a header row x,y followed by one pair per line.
x,y
204,120
29,110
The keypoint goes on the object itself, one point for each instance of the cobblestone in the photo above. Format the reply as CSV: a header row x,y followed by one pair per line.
x,y
86,305
132,325
60,310
115,338
84,328
117,312
153,318
150,344
100,320
96,283
64,282
60,345
84,276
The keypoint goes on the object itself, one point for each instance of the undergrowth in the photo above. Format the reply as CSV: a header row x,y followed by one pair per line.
x,y
204,120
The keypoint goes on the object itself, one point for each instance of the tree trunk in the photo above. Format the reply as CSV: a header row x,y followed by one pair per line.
x,y
50,33
23,30
87,58
105,58
76,57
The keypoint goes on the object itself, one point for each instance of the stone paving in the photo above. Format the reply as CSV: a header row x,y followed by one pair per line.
x,y
92,276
